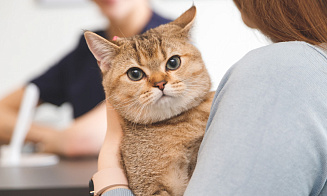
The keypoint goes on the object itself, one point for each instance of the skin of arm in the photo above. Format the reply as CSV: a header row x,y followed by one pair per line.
x,y
109,156
83,137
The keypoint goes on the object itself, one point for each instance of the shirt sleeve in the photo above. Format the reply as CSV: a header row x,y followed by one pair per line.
x,y
53,82
266,133
119,192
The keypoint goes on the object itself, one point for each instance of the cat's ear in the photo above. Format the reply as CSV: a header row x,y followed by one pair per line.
x,y
186,20
101,49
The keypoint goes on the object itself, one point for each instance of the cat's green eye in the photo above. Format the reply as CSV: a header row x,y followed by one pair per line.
x,y
173,63
135,74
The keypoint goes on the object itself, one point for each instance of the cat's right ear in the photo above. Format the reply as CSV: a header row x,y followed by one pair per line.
x,y
101,49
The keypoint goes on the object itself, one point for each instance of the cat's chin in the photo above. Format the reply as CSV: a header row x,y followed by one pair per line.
x,y
164,108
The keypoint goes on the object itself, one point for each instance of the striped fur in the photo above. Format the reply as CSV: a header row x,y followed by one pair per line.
x,y
162,128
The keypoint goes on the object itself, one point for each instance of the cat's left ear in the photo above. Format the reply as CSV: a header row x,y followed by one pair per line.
x,y
186,20
102,49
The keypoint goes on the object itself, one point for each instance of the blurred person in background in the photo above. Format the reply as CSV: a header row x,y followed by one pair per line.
x,y
77,79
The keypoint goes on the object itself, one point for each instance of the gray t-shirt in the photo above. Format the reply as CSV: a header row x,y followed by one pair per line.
x,y
267,131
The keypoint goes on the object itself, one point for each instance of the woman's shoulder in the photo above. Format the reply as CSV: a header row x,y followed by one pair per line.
x,y
287,53
283,57
290,66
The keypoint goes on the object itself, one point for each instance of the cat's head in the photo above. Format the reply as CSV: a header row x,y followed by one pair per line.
x,y
154,76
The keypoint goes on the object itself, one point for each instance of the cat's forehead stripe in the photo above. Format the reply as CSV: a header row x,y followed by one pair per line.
x,y
148,48
135,47
163,52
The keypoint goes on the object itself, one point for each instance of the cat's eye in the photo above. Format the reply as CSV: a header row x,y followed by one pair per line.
x,y
173,63
135,74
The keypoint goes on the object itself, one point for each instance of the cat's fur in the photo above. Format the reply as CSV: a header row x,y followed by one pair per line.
x,y
162,134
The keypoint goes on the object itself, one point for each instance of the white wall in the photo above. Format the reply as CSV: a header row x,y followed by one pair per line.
x,y
33,37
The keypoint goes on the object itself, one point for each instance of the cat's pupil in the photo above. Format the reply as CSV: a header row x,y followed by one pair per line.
x,y
135,74
173,63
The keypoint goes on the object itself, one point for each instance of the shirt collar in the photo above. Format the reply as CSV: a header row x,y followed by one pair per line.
x,y
155,21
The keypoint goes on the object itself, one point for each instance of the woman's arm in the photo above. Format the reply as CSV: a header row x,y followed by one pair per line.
x,y
109,156
83,138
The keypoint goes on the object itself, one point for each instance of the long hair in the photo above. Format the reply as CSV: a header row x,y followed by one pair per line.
x,y
288,20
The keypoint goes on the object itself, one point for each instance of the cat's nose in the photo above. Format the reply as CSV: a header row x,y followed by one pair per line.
x,y
160,85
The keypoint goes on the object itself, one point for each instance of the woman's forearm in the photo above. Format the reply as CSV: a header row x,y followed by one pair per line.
x,y
83,137
110,153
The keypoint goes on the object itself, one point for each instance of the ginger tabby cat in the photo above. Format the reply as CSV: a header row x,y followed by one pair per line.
x,y
158,83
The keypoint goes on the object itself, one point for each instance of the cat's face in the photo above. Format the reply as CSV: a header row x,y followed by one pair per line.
x,y
153,76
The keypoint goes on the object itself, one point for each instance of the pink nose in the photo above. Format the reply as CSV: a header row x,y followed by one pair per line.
x,y
160,85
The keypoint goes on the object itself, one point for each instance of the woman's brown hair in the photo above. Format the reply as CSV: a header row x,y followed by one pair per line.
x,y
288,20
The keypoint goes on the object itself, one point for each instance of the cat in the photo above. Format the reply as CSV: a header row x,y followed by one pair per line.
x,y
158,83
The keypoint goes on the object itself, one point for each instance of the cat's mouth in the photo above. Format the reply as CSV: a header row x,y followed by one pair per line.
x,y
163,98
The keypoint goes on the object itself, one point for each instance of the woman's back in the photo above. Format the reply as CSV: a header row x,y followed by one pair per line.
x,y
267,126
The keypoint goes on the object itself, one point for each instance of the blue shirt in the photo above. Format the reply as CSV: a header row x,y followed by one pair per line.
x,y
77,78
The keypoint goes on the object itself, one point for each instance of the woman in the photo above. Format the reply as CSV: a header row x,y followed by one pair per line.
x,y
267,131
77,79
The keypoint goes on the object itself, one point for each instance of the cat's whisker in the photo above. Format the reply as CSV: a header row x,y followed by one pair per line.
x,y
100,103
139,113
124,103
121,32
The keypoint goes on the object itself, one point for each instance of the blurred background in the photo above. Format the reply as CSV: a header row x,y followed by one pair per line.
x,y
36,33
